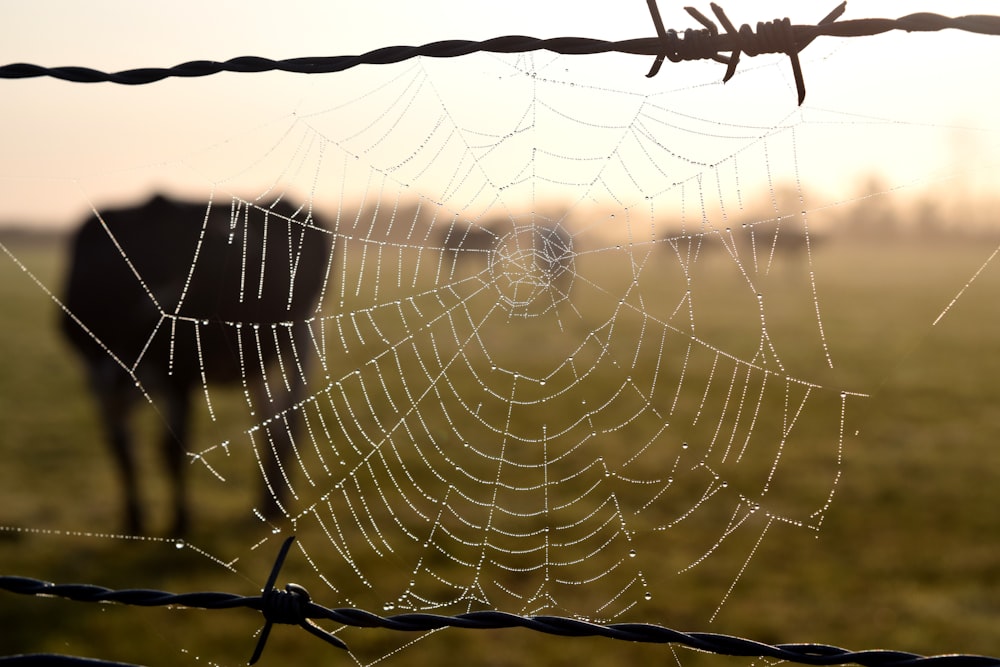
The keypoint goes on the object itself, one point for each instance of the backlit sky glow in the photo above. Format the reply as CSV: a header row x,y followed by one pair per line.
x,y
65,144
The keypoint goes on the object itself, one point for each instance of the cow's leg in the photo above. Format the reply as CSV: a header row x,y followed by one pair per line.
x,y
272,441
174,450
115,400
278,438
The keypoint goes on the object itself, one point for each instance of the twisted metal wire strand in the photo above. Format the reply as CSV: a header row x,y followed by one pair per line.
x,y
778,36
293,606
809,654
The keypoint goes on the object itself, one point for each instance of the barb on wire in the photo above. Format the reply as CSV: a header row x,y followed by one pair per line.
x,y
293,606
287,606
777,36
774,37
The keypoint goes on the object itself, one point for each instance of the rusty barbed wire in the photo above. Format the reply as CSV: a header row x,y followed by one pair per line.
x,y
778,36
293,606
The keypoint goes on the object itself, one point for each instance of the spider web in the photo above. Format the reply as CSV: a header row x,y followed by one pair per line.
x,y
531,392
561,355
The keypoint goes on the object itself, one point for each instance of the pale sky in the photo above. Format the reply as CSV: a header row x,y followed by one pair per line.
x,y
58,137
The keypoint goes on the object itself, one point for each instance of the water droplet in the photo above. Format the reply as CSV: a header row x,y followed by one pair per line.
x,y
648,596
179,544
388,606
631,553
684,445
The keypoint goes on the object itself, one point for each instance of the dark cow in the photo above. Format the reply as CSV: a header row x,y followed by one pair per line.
x,y
468,241
543,253
772,243
554,255
166,296
761,247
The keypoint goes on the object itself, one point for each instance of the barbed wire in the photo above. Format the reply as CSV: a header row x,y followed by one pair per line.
x,y
777,36
293,606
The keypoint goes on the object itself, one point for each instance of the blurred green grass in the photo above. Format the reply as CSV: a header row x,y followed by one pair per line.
x,y
906,558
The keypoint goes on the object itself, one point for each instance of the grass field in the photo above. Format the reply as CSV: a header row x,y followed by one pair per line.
x,y
906,558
